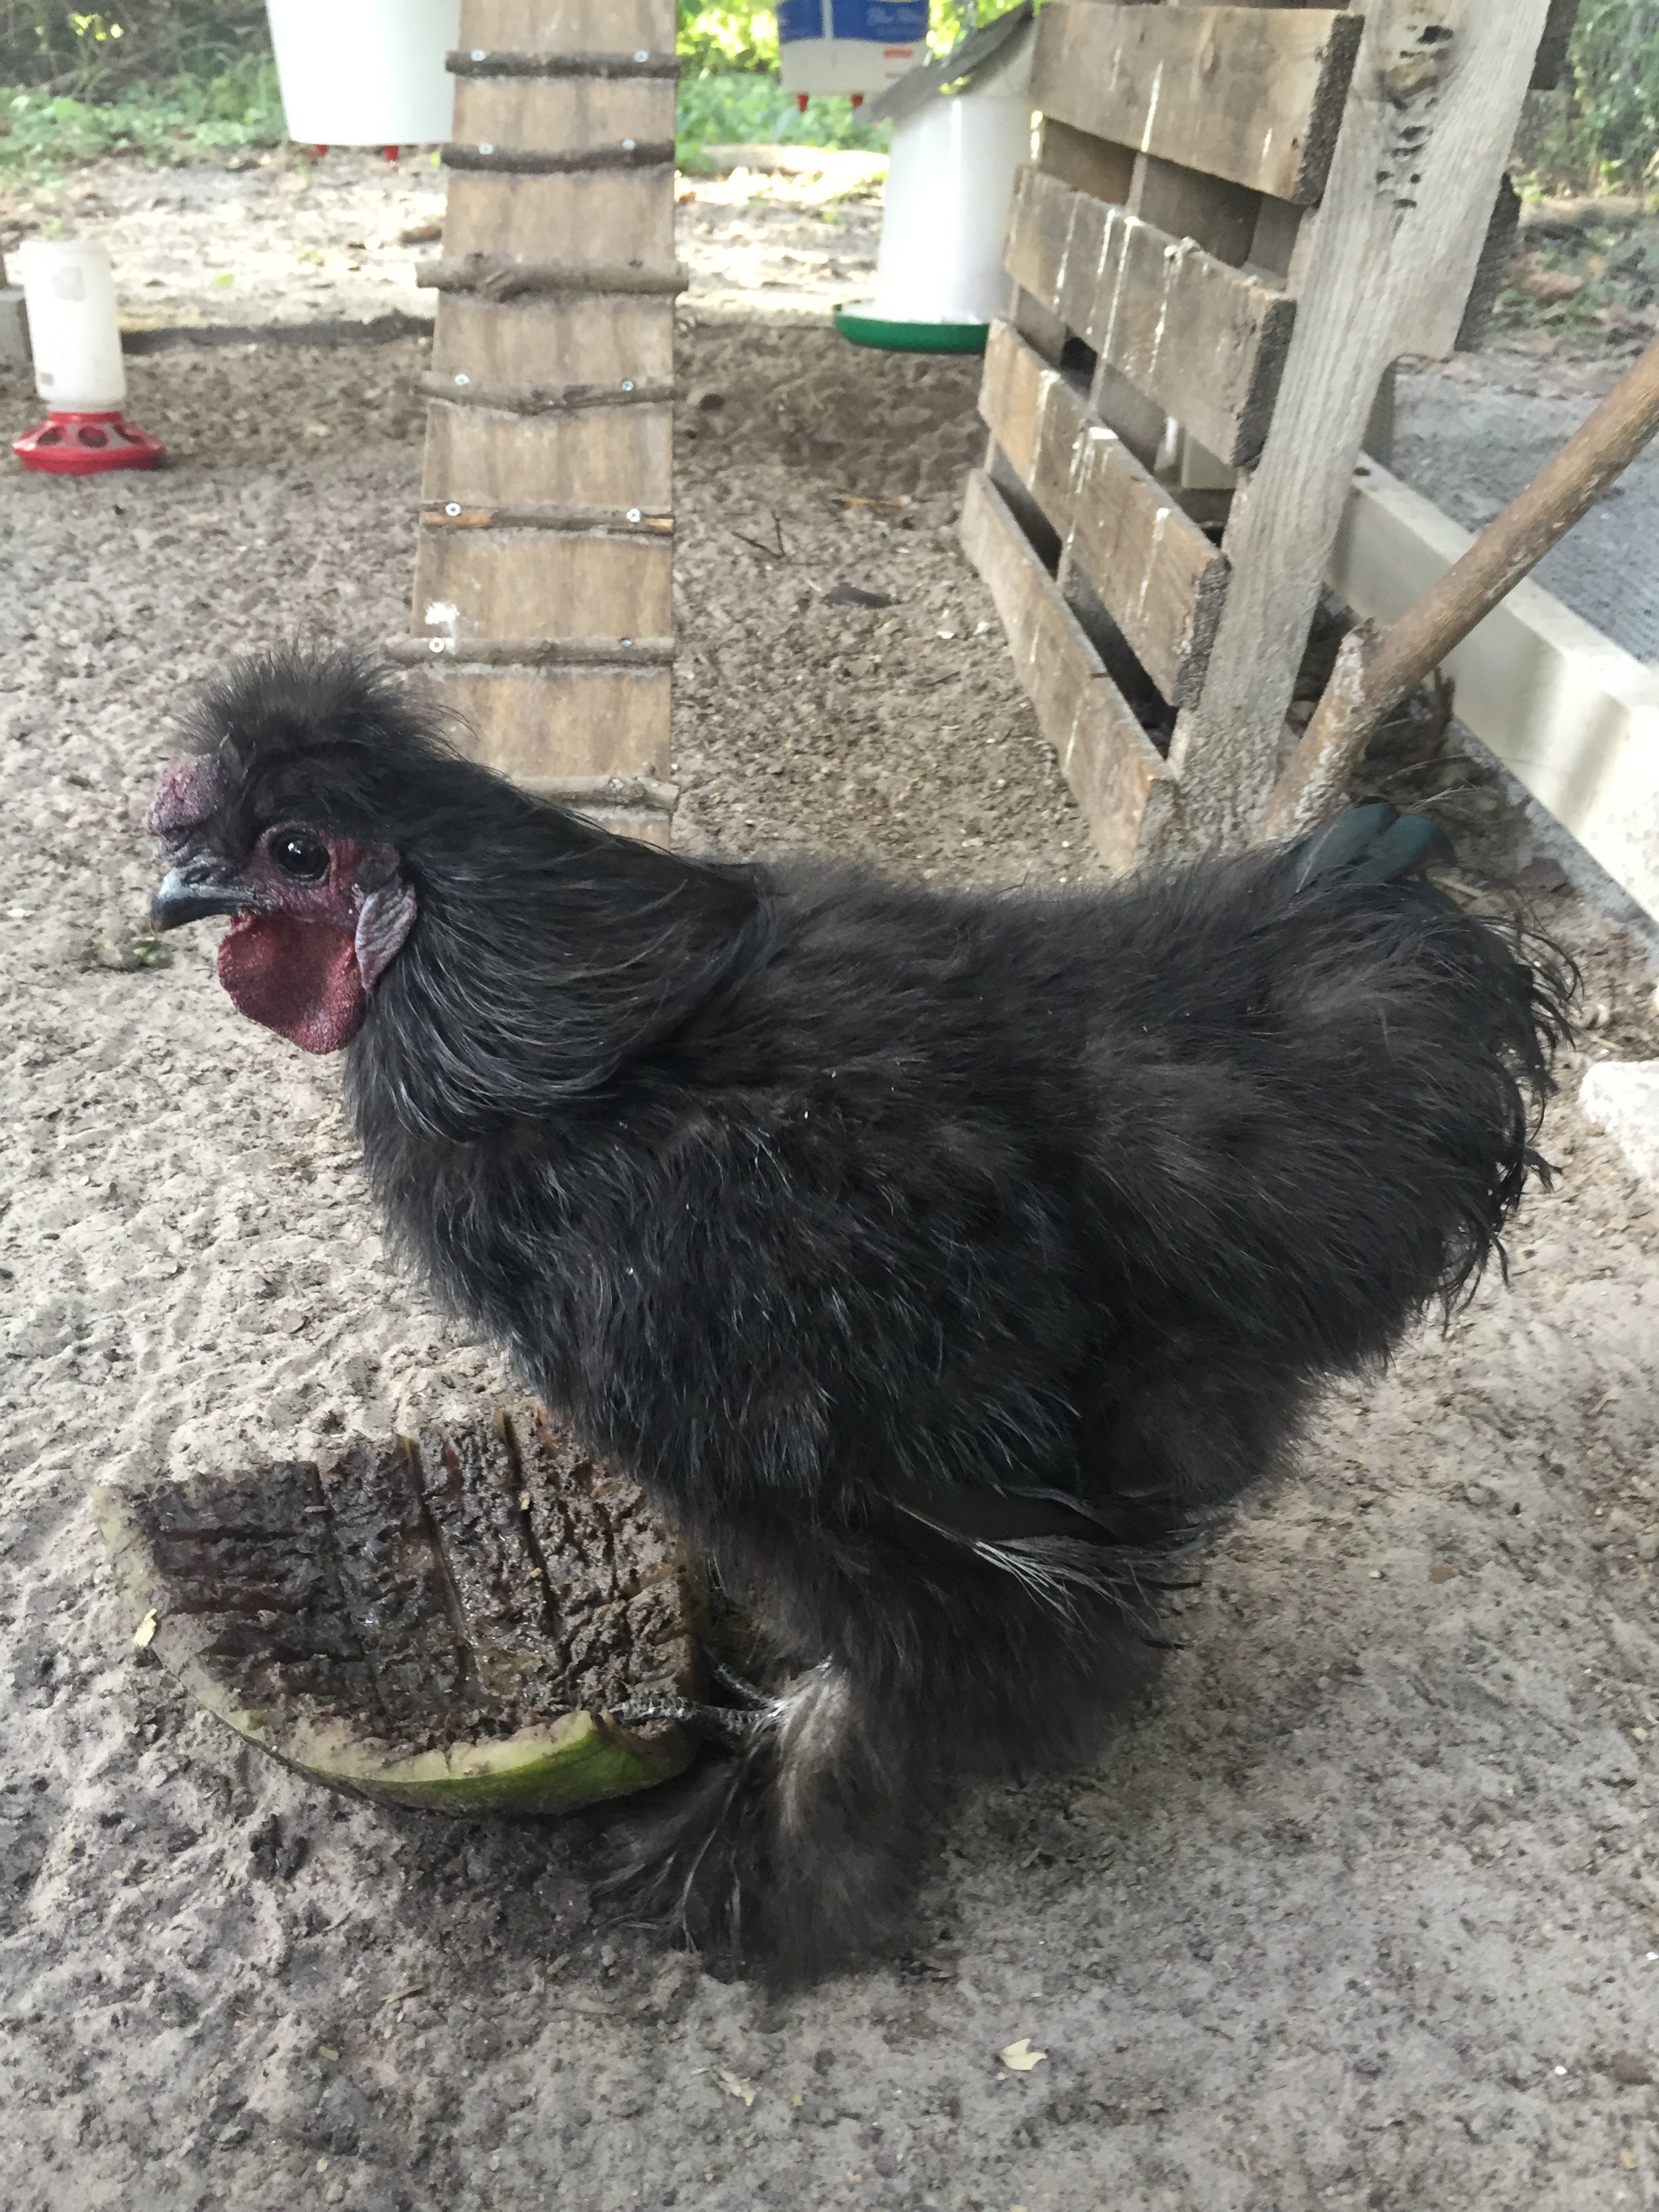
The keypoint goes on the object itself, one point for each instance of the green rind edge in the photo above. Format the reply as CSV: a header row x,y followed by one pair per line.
x,y
910,337
578,1758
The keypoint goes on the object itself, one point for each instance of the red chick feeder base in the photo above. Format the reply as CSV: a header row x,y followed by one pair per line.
x,y
73,445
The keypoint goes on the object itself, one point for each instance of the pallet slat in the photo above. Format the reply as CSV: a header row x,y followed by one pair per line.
x,y
1150,565
1387,270
1116,772
1153,569
1036,414
1205,341
1150,78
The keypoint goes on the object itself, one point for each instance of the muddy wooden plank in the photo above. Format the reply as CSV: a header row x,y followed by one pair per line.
x,y
545,343
527,583
469,1484
1252,95
516,111
391,1583
599,216
606,457
1205,341
537,723
426,1628
1104,754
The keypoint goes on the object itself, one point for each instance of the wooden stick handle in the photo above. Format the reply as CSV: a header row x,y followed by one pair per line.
x,y
1375,669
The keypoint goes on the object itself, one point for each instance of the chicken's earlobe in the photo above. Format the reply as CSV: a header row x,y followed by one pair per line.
x,y
384,921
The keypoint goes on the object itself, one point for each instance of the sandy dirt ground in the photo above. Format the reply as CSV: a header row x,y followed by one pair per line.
x,y
285,238
1363,1909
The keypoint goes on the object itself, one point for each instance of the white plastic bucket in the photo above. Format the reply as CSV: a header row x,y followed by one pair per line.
x,y
74,334
950,184
366,72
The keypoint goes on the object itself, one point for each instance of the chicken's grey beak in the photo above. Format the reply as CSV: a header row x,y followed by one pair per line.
x,y
194,888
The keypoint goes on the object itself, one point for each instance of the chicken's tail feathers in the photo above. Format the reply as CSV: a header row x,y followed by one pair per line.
x,y
1371,843
1445,991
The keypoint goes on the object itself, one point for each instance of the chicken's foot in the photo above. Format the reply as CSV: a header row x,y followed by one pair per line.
x,y
737,1729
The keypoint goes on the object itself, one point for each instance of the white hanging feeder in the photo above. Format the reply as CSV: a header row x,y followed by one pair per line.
x,y
366,72
939,279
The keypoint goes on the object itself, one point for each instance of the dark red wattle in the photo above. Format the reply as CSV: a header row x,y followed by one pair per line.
x,y
298,978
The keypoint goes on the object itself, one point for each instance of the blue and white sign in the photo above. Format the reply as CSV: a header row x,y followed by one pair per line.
x,y
849,45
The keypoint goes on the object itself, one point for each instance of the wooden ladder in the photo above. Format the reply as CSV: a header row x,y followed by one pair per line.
x,y
543,577
1237,220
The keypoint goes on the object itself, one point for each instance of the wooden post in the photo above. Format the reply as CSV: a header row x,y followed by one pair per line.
x,y
544,582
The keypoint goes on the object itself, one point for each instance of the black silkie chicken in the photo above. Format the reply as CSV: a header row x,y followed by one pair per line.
x,y
943,1262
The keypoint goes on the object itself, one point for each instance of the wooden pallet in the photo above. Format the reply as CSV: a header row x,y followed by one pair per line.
x,y
543,579
1236,221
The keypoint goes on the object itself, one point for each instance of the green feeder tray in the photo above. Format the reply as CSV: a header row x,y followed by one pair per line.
x,y
865,330
446,1622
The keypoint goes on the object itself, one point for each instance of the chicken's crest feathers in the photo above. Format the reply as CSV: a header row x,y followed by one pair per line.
x,y
548,950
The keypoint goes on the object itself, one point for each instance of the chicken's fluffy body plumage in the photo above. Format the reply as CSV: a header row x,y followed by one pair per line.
x,y
944,1263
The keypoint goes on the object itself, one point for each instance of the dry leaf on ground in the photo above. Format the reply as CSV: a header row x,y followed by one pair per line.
x,y
1019,2057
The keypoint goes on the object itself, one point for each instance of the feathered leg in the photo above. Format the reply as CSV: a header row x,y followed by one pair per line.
x,y
796,1853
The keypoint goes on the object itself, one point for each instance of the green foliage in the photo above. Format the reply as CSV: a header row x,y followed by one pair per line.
x,y
42,132
716,40
743,108
952,20
1602,131
94,56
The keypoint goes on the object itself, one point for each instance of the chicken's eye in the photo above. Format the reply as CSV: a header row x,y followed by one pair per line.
x,y
302,858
